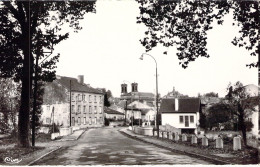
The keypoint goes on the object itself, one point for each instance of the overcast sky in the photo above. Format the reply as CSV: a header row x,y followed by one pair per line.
x,y
107,51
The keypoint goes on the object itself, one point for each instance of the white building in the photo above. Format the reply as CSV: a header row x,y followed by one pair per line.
x,y
252,90
86,104
183,114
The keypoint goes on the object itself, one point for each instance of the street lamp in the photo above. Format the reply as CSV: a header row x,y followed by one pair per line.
x,y
157,112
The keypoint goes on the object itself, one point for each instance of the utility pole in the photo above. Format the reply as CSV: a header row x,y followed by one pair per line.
x,y
70,103
125,110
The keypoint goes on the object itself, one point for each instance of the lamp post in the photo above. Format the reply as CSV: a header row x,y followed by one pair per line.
x,y
157,112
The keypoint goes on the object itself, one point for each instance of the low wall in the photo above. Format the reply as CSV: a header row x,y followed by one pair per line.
x,y
169,128
116,123
148,131
54,135
44,130
65,131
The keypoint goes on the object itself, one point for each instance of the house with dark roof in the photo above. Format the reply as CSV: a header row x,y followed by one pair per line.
x,y
113,114
183,114
84,108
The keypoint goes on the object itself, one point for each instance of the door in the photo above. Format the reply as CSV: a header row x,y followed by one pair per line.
x,y
186,121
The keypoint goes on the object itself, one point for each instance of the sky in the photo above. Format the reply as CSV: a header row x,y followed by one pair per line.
x,y
107,51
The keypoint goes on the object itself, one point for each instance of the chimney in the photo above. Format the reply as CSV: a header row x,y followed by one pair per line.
x,y
81,79
176,104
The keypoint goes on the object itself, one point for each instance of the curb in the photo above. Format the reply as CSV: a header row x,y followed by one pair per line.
x,y
203,157
32,162
81,134
74,138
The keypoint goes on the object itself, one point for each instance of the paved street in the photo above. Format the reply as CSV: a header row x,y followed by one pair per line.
x,y
107,146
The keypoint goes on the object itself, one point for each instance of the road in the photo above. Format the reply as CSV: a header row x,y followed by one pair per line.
x,y
107,146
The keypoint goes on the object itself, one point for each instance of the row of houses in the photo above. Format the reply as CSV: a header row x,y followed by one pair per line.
x,y
71,102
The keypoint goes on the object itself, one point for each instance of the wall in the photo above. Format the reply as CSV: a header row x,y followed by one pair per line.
x,y
61,114
174,120
137,114
112,116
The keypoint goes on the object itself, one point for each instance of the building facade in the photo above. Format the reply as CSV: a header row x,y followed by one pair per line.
x,y
84,108
183,114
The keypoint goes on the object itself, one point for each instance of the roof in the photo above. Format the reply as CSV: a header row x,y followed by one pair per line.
x,y
190,105
75,85
111,111
121,103
139,94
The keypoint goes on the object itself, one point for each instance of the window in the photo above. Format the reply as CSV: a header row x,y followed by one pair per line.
x,y
95,120
100,110
101,120
181,119
79,97
72,97
73,121
90,120
100,99
79,109
48,120
84,120
90,109
95,109
73,109
191,119
84,109
79,120
89,98
95,99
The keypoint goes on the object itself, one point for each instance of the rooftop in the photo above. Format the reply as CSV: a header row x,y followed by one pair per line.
x,y
75,85
187,105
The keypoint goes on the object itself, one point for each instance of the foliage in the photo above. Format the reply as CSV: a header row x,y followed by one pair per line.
x,y
249,125
185,24
218,113
107,122
9,105
39,102
241,104
26,30
211,94
106,102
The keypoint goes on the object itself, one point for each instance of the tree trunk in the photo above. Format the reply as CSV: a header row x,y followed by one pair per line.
x,y
242,124
23,123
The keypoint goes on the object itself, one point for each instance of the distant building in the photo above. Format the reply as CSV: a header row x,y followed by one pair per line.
x,y
113,114
183,114
148,111
134,95
252,90
87,103
174,94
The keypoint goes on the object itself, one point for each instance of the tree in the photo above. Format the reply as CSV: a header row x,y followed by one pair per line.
x,y
185,23
9,104
106,102
26,30
241,104
218,113
211,94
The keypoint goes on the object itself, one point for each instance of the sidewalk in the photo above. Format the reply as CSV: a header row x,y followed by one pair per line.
x,y
201,153
48,147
